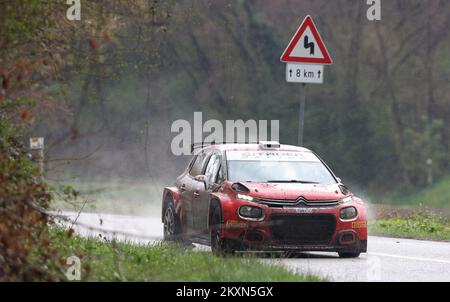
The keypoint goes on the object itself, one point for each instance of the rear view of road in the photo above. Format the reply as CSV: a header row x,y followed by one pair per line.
x,y
389,259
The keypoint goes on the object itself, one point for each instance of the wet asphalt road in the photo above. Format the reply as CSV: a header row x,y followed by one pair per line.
x,y
388,259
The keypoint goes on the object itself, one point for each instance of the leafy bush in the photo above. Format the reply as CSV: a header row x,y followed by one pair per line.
x,y
23,228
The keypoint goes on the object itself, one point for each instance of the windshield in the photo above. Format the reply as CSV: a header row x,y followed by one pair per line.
x,y
276,167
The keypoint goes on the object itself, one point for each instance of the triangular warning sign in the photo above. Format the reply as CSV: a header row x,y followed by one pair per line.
x,y
307,46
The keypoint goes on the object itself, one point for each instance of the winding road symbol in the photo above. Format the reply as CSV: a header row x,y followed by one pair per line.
x,y
308,45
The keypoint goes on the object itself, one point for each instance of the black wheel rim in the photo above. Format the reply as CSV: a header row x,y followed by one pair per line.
x,y
169,222
215,234
215,239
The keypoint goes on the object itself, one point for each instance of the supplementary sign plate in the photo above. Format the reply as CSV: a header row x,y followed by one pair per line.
x,y
304,73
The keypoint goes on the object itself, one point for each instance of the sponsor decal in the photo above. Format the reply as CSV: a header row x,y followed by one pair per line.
x,y
235,224
323,188
303,210
272,156
359,224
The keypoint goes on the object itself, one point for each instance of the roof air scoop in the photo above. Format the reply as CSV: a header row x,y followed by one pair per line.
x,y
269,144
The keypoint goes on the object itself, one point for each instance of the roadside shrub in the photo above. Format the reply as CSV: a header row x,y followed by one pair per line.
x,y
24,247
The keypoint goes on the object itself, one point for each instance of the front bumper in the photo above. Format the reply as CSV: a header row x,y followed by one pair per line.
x,y
307,229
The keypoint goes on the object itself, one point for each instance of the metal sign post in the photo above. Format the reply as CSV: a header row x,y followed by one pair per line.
x,y
301,115
305,56
37,151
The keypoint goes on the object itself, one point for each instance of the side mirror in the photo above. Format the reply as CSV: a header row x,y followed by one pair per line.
x,y
203,179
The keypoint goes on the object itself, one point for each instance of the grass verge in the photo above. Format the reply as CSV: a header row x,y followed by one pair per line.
x,y
434,196
416,226
103,260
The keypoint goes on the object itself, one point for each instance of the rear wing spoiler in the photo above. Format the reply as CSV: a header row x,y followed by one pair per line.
x,y
263,144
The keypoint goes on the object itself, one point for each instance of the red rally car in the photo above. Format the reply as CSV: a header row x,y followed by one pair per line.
x,y
263,197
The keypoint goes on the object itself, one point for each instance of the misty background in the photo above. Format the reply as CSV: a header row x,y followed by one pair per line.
x,y
381,113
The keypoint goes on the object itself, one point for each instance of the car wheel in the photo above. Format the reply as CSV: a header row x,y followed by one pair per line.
x,y
349,255
172,228
219,246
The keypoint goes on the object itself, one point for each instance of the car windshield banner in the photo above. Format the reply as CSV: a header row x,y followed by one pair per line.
x,y
272,156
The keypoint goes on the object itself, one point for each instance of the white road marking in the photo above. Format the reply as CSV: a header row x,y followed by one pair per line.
x,y
410,258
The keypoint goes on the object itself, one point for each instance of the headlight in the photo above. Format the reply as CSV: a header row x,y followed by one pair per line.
x,y
244,197
248,212
348,213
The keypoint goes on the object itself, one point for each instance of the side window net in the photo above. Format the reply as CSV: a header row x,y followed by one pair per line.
x,y
197,167
213,168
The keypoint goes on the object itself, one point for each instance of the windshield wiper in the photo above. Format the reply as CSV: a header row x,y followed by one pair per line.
x,y
294,181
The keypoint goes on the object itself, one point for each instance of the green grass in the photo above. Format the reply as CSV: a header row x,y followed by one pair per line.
x,y
434,196
115,261
417,226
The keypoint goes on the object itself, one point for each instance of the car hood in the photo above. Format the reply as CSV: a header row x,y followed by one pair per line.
x,y
295,190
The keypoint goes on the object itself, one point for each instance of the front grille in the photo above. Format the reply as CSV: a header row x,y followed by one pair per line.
x,y
299,202
302,229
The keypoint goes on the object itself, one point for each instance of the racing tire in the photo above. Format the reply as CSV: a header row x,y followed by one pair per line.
x,y
219,246
172,225
349,254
